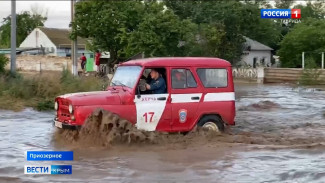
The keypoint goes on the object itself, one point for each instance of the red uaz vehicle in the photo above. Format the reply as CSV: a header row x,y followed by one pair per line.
x,y
198,91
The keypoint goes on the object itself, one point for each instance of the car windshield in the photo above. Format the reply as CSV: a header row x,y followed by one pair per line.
x,y
126,76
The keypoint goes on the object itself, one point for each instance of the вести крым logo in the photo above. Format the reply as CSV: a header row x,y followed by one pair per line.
x,y
48,169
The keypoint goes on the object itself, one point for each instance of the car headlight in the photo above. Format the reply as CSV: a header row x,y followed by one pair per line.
x,y
70,108
56,105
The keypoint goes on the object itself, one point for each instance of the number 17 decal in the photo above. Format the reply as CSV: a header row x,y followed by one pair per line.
x,y
145,115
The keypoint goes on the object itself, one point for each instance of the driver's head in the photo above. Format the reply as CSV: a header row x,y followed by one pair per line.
x,y
154,74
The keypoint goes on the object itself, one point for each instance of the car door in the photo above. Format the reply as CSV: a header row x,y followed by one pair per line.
x,y
185,97
153,111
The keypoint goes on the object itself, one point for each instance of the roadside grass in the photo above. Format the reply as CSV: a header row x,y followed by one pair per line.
x,y
39,91
311,73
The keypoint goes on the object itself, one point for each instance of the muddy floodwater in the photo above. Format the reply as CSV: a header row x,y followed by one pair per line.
x,y
279,137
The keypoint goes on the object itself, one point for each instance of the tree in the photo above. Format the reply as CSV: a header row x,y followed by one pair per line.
x,y
237,19
160,34
125,28
103,22
308,37
283,4
265,4
208,41
312,10
38,11
26,23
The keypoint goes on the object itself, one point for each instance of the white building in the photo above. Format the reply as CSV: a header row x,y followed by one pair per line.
x,y
256,53
55,42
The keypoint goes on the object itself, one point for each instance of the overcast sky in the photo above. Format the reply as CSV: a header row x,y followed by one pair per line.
x,y
58,11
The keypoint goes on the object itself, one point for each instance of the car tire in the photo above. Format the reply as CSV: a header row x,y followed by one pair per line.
x,y
212,122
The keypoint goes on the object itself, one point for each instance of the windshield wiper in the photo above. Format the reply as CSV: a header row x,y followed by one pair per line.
x,y
123,85
120,84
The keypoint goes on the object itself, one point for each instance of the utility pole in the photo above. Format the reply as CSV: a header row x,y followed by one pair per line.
x,y
13,37
74,49
322,60
303,60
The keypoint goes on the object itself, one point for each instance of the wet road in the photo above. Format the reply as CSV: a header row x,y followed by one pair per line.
x,y
279,137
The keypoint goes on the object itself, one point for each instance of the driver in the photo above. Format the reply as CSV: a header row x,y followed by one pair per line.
x,y
157,85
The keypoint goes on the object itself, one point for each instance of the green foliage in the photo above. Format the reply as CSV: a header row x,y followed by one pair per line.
x,y
103,21
20,88
45,105
236,19
3,62
26,23
40,91
312,9
125,28
308,37
209,39
162,39
283,4
311,73
204,28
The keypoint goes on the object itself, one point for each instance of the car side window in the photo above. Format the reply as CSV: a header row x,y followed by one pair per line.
x,y
182,78
191,83
146,79
213,78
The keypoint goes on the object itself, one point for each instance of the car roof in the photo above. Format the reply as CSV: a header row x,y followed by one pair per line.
x,y
179,62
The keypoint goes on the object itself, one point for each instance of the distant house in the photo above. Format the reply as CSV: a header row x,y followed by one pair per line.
x,y
54,41
256,53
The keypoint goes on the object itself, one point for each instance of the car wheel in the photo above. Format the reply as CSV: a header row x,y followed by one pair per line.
x,y
212,122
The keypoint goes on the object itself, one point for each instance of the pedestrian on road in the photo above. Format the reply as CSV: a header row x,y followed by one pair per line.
x,y
97,57
83,62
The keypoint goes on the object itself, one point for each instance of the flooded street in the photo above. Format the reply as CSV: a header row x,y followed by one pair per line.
x,y
278,137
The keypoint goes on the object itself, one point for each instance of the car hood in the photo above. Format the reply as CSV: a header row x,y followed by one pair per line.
x,y
92,98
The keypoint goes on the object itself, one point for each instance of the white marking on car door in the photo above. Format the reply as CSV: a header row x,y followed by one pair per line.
x,y
149,110
184,98
218,97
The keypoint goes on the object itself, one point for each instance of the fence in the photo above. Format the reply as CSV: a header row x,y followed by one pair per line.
x,y
37,63
244,73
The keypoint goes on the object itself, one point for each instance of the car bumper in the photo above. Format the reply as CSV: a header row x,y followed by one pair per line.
x,y
61,125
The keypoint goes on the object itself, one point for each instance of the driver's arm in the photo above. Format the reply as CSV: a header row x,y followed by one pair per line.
x,y
156,85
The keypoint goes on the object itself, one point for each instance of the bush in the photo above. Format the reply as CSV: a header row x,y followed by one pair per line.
x,y
45,105
311,73
3,62
307,37
40,91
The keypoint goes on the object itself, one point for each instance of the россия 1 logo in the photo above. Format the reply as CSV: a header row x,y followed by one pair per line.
x,y
281,13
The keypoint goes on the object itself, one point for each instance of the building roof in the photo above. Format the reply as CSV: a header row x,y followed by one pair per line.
x,y
255,45
179,62
60,37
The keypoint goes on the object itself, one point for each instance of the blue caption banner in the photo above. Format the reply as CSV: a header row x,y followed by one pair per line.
x,y
48,169
275,13
49,155
61,169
